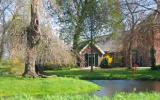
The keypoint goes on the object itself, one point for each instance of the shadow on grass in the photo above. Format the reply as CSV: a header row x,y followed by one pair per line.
x,y
103,74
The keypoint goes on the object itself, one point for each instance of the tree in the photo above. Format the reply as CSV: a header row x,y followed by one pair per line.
x,y
4,7
33,38
100,19
147,16
132,16
71,18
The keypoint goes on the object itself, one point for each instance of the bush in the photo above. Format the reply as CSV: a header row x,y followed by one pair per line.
x,y
106,62
153,61
157,67
12,66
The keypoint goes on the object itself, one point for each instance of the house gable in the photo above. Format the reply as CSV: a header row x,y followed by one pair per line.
x,y
95,47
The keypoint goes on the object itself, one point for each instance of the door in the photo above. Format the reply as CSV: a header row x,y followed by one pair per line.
x,y
92,59
86,60
96,60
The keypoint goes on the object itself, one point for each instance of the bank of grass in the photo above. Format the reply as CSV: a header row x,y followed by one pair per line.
x,y
55,97
11,86
119,96
137,96
109,74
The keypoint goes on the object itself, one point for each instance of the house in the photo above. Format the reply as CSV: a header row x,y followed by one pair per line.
x,y
145,37
98,53
104,45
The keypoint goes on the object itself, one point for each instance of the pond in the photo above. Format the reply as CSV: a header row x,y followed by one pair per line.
x,y
110,87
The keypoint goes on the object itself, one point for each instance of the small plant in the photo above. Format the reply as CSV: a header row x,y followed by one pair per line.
x,y
106,62
13,66
158,66
153,60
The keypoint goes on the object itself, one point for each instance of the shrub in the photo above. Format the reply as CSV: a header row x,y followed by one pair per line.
x,y
17,66
158,66
153,61
106,61
109,59
13,66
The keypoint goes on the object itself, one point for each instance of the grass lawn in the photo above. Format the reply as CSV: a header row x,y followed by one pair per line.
x,y
67,88
101,74
10,86
119,96
56,97
137,96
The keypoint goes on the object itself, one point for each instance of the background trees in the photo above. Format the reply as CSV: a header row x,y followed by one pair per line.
x,y
85,20
5,10
135,13
76,21
18,44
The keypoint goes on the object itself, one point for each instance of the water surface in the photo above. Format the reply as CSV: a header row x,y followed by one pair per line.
x,y
110,87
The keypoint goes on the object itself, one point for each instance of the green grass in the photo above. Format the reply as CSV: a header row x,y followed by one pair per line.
x,y
143,74
119,96
10,86
55,97
137,96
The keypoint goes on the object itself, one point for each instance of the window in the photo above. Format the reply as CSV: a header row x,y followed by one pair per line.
x,y
91,59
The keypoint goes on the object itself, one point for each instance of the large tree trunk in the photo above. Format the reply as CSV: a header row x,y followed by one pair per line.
x,y
76,37
92,57
130,55
33,37
91,30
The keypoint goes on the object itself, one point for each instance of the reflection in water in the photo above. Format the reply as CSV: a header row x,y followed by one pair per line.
x,y
110,87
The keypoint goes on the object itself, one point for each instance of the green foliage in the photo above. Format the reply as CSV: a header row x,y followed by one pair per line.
x,y
72,20
105,14
11,86
90,7
158,66
116,17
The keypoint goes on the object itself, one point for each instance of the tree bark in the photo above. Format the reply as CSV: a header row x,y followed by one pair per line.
x,y
92,57
130,55
78,29
91,30
76,38
33,38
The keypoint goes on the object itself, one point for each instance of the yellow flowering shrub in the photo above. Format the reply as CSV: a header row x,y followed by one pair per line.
x,y
109,59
